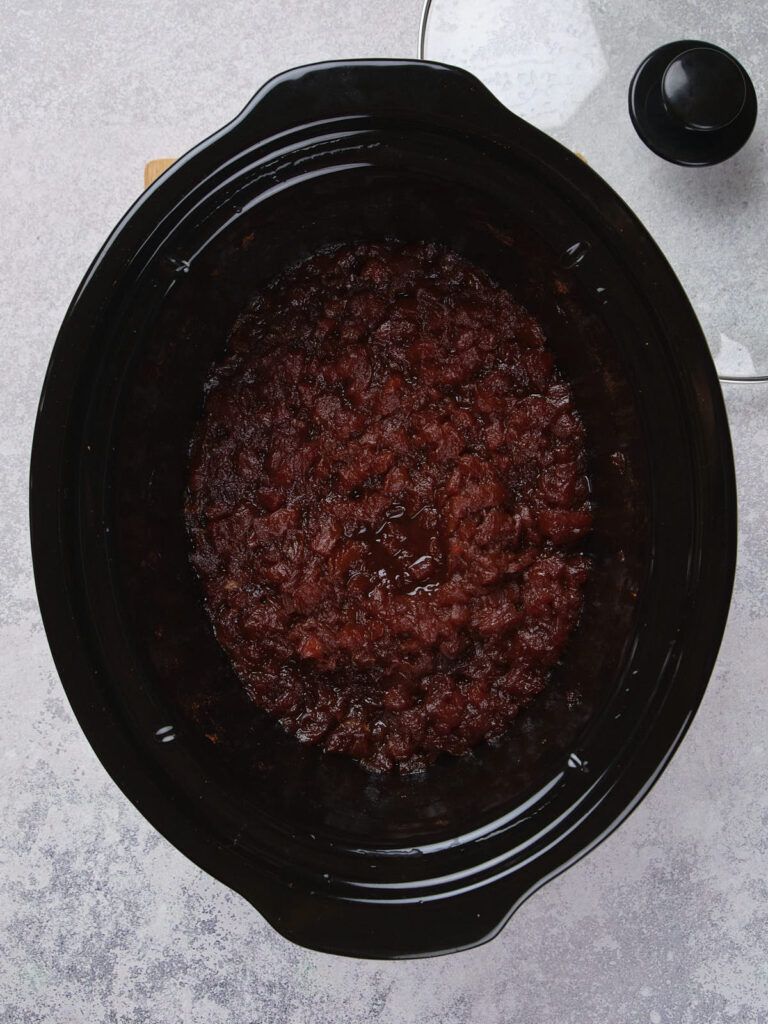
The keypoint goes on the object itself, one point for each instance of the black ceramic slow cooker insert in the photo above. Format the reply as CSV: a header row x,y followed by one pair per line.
x,y
336,858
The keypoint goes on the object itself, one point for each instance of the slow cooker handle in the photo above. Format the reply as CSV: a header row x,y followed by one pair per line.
x,y
371,88
391,930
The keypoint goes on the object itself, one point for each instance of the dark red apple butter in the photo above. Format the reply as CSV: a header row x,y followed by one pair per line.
x,y
388,502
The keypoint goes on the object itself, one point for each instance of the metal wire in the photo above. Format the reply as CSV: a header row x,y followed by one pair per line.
x,y
423,28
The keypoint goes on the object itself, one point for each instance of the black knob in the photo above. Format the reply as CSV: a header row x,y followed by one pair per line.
x,y
692,103
705,89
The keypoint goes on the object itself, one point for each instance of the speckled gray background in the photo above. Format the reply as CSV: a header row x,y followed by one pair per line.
x,y
100,919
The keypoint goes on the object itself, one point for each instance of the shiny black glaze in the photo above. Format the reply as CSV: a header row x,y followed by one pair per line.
x,y
334,858
692,103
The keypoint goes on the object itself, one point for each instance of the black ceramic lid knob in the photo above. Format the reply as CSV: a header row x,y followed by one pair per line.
x,y
692,103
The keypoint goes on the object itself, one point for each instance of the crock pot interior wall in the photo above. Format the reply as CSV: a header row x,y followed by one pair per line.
x,y
176,323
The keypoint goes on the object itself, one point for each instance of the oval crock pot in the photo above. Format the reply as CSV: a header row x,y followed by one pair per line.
x,y
335,858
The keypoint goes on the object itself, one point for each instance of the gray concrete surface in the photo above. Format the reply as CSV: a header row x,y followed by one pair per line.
x,y
100,919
